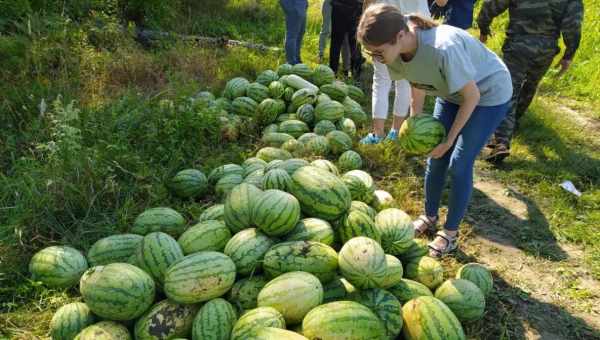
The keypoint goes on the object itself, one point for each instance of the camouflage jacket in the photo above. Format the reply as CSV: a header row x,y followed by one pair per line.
x,y
541,18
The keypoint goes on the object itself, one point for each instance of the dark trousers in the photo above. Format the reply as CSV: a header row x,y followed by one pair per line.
x,y
344,21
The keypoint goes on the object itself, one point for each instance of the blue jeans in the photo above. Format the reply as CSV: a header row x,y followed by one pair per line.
x,y
459,159
295,25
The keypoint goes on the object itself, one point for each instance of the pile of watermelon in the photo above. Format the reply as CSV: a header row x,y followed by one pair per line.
x,y
295,247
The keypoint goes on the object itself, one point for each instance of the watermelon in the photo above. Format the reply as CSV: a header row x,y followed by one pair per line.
x,y
350,160
312,229
396,229
156,253
294,147
274,164
357,223
302,97
426,270
288,93
257,91
297,82
275,139
356,93
276,179
463,297
235,87
322,98
347,320
317,146
276,212
337,91
325,165
69,320
426,317
295,128
348,126
244,106
114,248
419,134
329,110
247,249
266,77
354,111
270,153
360,184
306,137
161,219
271,128
226,184
478,274
284,69
238,206
320,193
313,257
253,161
323,74
418,248
222,104
292,164
293,294
104,330
306,113
244,292
408,289
199,277
219,172
189,183
251,168
385,305
302,70
382,200
286,116
254,319
215,212
276,89
363,207
117,291
324,127
206,235
268,110
214,321
165,320
204,98
339,142
393,273
334,290
272,333
362,262
58,266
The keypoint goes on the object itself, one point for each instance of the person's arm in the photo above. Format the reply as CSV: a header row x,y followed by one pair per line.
x,y
417,101
470,94
571,32
489,10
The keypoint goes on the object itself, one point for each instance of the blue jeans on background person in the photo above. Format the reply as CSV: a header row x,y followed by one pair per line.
x,y
459,159
295,25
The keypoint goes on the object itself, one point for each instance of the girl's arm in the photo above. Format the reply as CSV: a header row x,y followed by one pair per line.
x,y
416,104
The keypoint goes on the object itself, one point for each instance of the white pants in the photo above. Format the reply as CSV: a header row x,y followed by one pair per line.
x,y
382,84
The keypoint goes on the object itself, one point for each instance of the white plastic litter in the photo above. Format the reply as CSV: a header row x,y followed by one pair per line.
x,y
570,187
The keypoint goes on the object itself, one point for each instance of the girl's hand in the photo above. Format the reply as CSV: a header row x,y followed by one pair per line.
x,y
440,150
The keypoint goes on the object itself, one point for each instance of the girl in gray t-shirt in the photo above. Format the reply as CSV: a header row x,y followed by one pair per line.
x,y
472,86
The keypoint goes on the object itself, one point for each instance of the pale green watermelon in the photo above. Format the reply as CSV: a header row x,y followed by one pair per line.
x,y
396,229
342,320
426,317
206,235
247,249
316,258
58,266
254,319
362,262
104,330
478,274
69,320
463,297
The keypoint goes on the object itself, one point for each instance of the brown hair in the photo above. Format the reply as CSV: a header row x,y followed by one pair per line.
x,y
380,23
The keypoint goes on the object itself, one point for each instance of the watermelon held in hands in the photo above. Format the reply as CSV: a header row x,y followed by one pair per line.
x,y
420,134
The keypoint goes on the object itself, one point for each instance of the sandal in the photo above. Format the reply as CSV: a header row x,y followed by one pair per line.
x,y
427,225
451,245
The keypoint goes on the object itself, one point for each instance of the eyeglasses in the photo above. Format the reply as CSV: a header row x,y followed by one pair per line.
x,y
377,55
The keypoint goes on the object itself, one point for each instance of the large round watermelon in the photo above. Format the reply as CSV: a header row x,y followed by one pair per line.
x,y
357,223
215,212
114,248
360,184
350,160
339,142
426,317
189,183
104,330
276,179
463,297
162,219
58,266
363,207
393,273
408,289
325,165
227,183
347,320
312,229
165,320
244,292
235,87
207,235
247,249
214,321
478,274
316,258
69,320
385,305
221,171
396,229
272,333
362,262
426,270
276,212
157,252
238,206
254,319
419,134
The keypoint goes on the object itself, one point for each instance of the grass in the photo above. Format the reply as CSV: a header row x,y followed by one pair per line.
x,y
71,173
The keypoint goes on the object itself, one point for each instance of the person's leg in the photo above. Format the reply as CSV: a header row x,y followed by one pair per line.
x,y
337,36
346,55
292,26
355,56
325,28
301,8
541,64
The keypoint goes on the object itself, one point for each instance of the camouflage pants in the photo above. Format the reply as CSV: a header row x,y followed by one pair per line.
x,y
527,60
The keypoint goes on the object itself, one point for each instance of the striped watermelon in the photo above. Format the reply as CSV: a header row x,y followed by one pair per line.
x,y
385,305
156,253
334,290
346,320
362,262
326,165
162,219
301,97
426,270
329,110
426,317
244,292
295,128
255,166
69,320
284,69
227,169
257,91
356,223
408,289
274,164
270,153
306,137
418,248
419,134
272,333
204,98
276,212
253,161
322,98
306,113
165,320
312,229
396,229
227,183
239,205
348,126
288,93
58,266
478,274
463,297
271,128
255,178
206,235
266,77
294,147
393,273
199,277
244,106
104,330
215,212
350,160
247,249
321,194
222,104
324,127
354,111
268,110
254,319
292,164
235,87
360,184
339,142
214,321
276,89
276,179
117,291
317,146
302,70
114,248
189,183
313,257
323,74
276,139
356,93
293,294
363,207
382,200
337,91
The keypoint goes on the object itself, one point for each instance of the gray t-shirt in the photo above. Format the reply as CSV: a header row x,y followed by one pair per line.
x,y
447,58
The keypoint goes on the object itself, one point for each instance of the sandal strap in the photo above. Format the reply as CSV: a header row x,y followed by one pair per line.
x,y
449,246
427,221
